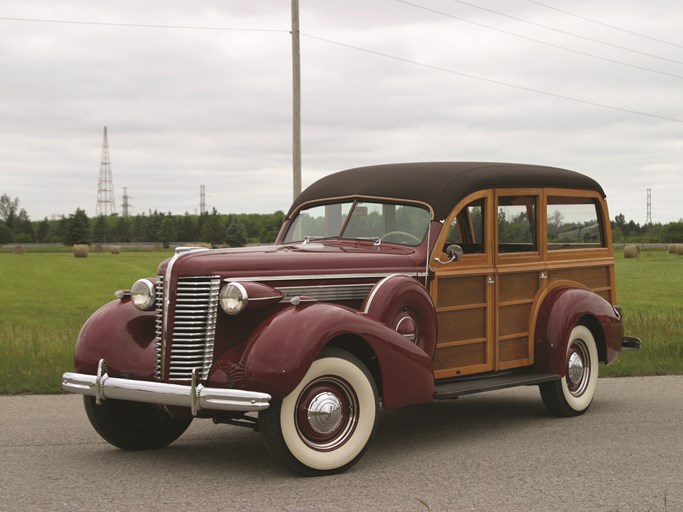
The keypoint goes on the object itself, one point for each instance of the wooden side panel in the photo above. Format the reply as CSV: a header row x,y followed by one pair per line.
x,y
514,319
591,277
462,325
461,357
459,291
512,350
520,286
465,325
515,300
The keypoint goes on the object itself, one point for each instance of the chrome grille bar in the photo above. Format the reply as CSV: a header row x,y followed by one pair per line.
x,y
191,342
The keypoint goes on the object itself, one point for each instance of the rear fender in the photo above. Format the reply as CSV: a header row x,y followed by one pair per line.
x,y
283,348
561,310
123,336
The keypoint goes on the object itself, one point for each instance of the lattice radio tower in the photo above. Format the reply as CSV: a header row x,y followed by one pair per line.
x,y
648,218
105,185
202,199
125,207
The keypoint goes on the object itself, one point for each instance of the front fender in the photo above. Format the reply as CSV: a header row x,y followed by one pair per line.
x,y
120,334
282,350
561,310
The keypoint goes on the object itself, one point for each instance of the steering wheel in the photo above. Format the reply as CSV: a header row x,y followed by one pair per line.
x,y
402,234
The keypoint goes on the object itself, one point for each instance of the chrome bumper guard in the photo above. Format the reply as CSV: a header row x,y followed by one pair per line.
x,y
629,343
195,396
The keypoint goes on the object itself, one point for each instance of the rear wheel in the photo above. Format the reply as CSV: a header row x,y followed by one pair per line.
x,y
573,394
323,426
134,425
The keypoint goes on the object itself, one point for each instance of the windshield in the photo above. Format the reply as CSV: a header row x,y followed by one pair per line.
x,y
361,220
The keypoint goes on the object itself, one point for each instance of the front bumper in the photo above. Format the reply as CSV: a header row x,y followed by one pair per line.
x,y
195,396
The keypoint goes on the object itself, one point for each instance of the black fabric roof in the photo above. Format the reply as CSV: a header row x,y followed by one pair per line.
x,y
439,184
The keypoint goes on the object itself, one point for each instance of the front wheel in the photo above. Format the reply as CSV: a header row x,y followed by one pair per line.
x,y
573,394
134,425
323,426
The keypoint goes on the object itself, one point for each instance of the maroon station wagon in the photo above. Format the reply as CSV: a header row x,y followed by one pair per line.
x,y
387,286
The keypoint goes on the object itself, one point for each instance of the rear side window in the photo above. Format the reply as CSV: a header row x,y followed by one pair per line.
x,y
517,224
574,223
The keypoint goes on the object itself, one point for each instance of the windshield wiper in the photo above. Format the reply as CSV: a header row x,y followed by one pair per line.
x,y
307,239
376,239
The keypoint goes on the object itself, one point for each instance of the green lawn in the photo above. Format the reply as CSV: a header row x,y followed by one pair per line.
x,y
44,300
650,292
46,297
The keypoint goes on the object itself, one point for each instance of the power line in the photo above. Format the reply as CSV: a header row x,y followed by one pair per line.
x,y
493,81
566,32
141,25
553,45
651,38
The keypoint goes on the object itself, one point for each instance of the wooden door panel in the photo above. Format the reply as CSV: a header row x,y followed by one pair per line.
x,y
465,321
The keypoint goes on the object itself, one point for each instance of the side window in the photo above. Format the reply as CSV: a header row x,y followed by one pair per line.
x,y
467,228
517,224
574,223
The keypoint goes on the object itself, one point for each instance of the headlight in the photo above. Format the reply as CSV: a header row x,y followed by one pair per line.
x,y
233,298
142,294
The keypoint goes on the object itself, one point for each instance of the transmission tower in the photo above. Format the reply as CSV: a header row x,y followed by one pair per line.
x,y
202,199
648,219
125,207
105,185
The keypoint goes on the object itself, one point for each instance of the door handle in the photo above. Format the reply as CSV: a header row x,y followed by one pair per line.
x,y
490,280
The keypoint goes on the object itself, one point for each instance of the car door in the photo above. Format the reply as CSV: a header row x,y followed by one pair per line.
x,y
521,273
463,290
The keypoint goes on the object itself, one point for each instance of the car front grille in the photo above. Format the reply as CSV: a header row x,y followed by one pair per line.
x,y
191,332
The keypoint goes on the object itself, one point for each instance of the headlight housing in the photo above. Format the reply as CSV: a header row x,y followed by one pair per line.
x,y
142,294
233,298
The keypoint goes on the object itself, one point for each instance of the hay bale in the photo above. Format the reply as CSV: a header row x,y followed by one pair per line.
x,y
97,249
81,250
200,244
18,249
156,248
632,251
115,249
679,249
672,249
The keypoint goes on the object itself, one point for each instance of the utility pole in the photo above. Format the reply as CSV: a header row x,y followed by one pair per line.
x,y
296,93
648,217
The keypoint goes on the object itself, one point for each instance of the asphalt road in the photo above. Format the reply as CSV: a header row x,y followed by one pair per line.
x,y
497,451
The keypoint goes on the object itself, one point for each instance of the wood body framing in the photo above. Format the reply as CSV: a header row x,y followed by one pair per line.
x,y
487,302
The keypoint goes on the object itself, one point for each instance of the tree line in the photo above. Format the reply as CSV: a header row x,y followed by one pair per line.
x,y
236,230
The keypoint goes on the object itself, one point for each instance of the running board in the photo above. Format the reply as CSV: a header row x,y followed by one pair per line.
x,y
451,390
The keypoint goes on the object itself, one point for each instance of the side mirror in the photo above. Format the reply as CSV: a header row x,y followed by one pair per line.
x,y
454,253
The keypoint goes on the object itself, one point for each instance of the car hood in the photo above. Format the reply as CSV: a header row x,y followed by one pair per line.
x,y
297,260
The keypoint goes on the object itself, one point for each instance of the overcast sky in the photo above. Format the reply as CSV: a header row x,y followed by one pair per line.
x,y
382,81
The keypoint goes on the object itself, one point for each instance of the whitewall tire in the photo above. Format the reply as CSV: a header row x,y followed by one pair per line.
x,y
324,424
573,394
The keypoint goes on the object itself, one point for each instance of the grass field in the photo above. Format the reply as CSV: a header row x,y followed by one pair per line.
x,y
44,300
46,297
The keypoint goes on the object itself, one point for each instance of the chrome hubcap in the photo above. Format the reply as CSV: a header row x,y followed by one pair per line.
x,y
327,413
324,413
578,368
575,368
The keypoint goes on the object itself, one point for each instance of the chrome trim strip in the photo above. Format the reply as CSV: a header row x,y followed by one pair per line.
x,y
312,277
371,297
327,293
215,399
